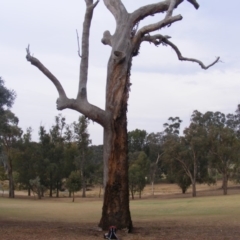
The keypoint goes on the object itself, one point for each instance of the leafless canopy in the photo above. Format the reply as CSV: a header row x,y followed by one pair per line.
x,y
122,17
125,43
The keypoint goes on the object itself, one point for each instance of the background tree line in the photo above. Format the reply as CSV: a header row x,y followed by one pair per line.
x,y
64,158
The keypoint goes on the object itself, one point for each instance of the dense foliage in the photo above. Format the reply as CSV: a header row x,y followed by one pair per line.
x,y
64,160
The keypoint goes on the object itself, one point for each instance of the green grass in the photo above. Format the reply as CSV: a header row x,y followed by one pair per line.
x,y
89,210
49,210
215,207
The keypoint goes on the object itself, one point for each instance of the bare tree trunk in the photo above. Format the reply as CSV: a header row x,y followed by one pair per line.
x,y
100,189
10,177
225,183
39,192
83,181
132,193
194,191
51,188
116,196
82,165
84,188
42,191
154,172
29,191
11,186
57,193
152,188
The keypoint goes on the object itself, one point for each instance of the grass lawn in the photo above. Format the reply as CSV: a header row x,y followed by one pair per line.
x,y
169,217
89,210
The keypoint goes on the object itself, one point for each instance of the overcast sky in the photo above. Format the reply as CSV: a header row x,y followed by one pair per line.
x,y
162,86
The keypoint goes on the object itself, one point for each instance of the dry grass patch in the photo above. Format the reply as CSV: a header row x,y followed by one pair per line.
x,y
166,216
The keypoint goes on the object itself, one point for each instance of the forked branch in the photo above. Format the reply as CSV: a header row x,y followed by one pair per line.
x,y
117,9
80,104
163,6
167,21
171,8
151,9
160,39
63,102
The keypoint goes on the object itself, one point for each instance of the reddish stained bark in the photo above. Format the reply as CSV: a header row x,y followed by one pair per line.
x,y
125,44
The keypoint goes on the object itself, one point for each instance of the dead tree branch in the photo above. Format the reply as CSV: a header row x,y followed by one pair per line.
x,y
80,104
34,61
163,6
117,9
155,39
151,9
170,9
166,6
83,76
194,3
160,39
156,26
79,54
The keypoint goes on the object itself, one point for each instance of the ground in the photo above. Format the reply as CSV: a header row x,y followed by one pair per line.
x,y
171,224
12,230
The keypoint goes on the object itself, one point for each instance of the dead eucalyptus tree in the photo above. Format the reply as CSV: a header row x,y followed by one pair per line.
x,y
125,43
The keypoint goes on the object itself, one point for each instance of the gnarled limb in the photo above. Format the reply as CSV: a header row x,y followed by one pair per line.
x,y
167,21
151,9
156,26
34,61
160,39
83,76
165,6
194,3
140,36
96,114
156,39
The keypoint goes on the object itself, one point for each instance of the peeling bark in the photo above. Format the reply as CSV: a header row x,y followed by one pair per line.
x,y
125,44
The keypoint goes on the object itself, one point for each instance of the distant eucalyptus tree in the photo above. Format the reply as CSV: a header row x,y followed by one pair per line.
x,y
83,141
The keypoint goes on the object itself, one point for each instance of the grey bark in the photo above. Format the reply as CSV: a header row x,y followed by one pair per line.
x,y
125,44
154,172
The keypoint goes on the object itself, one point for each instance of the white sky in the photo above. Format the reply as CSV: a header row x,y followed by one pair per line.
x,y
162,85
